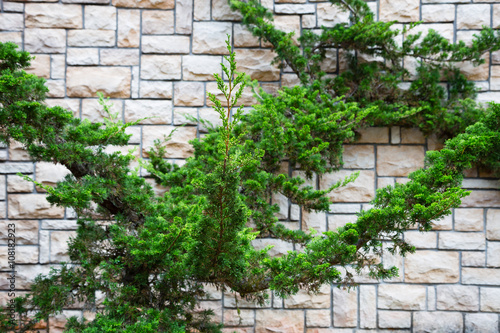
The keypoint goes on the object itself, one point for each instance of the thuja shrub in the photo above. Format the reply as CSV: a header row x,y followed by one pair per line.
x,y
151,256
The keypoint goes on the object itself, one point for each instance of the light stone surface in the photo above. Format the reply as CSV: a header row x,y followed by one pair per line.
x,y
42,15
222,12
243,318
200,67
279,247
399,160
313,221
189,94
367,306
202,10
493,224
438,13
246,98
155,89
303,299
183,16
473,259
461,241
165,44
40,66
177,147
329,15
82,56
50,173
280,321
45,40
457,297
153,4
339,220
481,323
24,255
359,157
318,318
473,16
421,240
374,135
209,38
11,21
493,254
160,67
401,11
100,17
401,297
485,276
87,37
345,308
86,81
432,267
361,190
119,57
59,245
26,231
27,206
158,22
93,111
257,64
394,319
482,199
468,219
156,112
129,27
449,322
490,299
18,184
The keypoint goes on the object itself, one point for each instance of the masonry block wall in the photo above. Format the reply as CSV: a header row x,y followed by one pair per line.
x,y
155,58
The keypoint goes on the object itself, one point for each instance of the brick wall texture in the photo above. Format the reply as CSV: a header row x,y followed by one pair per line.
x,y
155,58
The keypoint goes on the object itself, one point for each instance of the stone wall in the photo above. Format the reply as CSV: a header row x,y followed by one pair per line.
x,y
156,59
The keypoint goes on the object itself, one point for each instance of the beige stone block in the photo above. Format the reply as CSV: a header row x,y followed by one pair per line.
x,y
156,22
412,135
318,318
209,115
82,56
59,245
374,135
486,276
288,23
129,26
476,73
359,157
279,247
25,276
282,202
473,259
432,267
438,13
182,116
247,97
18,184
59,224
367,307
457,297
200,68
26,231
339,220
222,12
100,17
490,299
13,7
177,147
481,322
183,16
165,44
17,152
473,16
294,9
202,10
478,183
3,210
437,322
243,318
8,36
153,4
399,160
25,206
10,21
482,199
490,96
160,67
329,64
345,307
279,320
87,37
243,37
313,220
361,190
394,319
210,37
493,254
469,219
384,182
93,111
49,173
45,40
401,11
119,57
289,80
495,78
42,15
309,21
257,64
58,66
24,255
156,112
421,240
461,241
87,81
303,299
401,297
56,88
13,167
329,15
444,223
155,89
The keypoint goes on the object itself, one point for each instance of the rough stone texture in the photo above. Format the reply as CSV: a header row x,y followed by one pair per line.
x,y
247,97
473,258
122,57
42,15
456,297
432,267
367,307
49,173
481,323
493,254
473,16
155,89
209,38
401,11
18,184
59,245
93,111
450,322
257,64
244,318
279,249
374,135
24,255
486,276
482,199
313,220
160,67
177,147
222,12
158,22
329,15
128,27
86,81
438,13
100,17
493,224
401,297
468,219
359,157
79,56
421,240
490,299
461,241
318,318
394,319
303,299
345,308
189,94
156,4
11,21
338,221
26,206
183,16
399,160
45,40
157,112
26,231
361,190
279,321
165,44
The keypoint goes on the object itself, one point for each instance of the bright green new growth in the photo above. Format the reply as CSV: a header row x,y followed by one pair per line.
x,y
151,256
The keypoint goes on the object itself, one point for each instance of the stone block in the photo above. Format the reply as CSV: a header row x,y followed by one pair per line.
x,y
93,111
282,202
361,190
119,57
303,299
339,220
28,206
241,318
485,276
58,66
450,322
399,160
160,67
165,44
13,7
82,56
412,135
156,112
313,221
13,167
87,81
478,183
129,23
153,4
445,223
25,275
210,37
17,152
421,240
222,12
309,21
18,184
318,318
294,9
257,64
401,11
26,231
359,157
477,73
461,241
100,17
10,36
432,267
367,307
373,135
469,219
43,15
183,16
473,16
401,297
181,113
482,198
59,225
156,22
202,10
341,208
56,88
490,299
329,15
438,13
278,320
481,323
87,37
59,245
24,255
394,319
345,308
12,22
279,247
457,297
246,98
49,173
155,89
473,259
384,182
200,68
493,254
243,37
232,300
177,147
288,23
45,40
